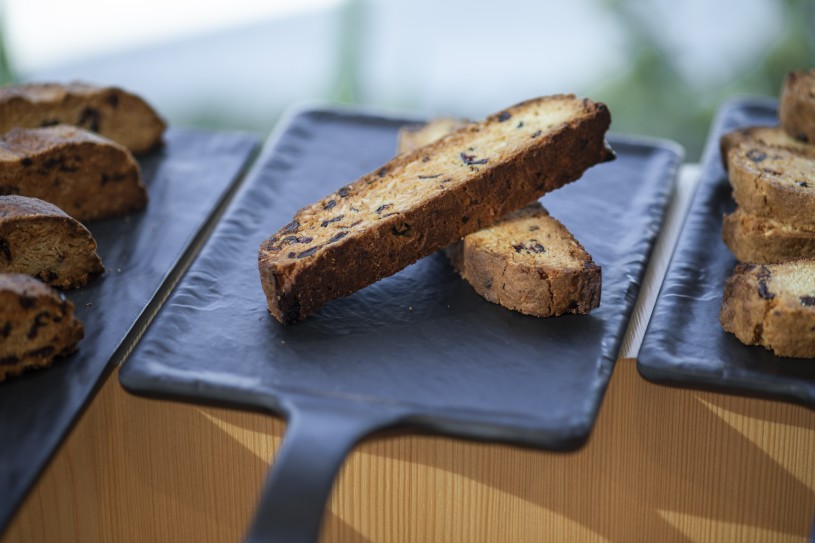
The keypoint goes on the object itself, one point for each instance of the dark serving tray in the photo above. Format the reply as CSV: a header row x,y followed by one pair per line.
x,y
684,345
419,348
187,181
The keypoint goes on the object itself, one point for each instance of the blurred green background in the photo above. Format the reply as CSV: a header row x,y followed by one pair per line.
x,y
662,67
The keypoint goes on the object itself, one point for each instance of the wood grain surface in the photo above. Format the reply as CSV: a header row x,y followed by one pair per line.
x,y
662,465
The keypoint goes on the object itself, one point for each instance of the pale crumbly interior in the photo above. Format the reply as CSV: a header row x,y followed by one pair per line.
x,y
387,193
793,281
773,136
413,137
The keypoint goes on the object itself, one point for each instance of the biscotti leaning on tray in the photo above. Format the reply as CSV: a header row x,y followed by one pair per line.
x,y
426,199
527,261
769,299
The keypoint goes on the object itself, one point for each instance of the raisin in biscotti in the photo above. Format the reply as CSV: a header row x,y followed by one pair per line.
x,y
773,182
772,305
764,240
797,105
528,261
37,324
109,111
85,175
422,201
772,136
37,238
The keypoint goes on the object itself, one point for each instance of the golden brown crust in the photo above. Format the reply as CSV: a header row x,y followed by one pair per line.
x,y
38,239
772,305
797,105
773,182
764,240
37,325
83,174
772,136
110,111
529,262
325,253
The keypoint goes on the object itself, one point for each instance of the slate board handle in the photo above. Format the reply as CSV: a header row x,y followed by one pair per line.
x,y
319,436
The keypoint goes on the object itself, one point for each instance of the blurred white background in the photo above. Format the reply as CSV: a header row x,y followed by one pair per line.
x,y
662,66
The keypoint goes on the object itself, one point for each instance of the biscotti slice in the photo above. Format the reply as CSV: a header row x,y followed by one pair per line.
x,y
422,201
414,136
529,262
772,305
109,111
85,175
773,182
764,240
37,324
797,105
772,136
38,239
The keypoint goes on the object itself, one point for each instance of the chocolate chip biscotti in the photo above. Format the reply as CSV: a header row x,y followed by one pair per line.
x,y
422,201
797,105
109,111
37,325
764,240
772,305
38,239
771,136
85,175
527,261
773,182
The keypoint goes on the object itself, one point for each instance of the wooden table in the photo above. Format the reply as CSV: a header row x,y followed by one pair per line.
x,y
662,465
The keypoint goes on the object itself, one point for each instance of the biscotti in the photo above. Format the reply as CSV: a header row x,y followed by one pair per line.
x,y
772,136
38,239
85,175
414,136
772,305
764,240
109,111
422,201
37,325
529,262
797,105
773,182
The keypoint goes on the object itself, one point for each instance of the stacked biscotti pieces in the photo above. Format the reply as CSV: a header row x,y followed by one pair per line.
x,y
772,231
66,157
433,196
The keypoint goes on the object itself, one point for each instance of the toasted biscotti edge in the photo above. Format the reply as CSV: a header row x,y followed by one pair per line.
x,y
771,136
758,189
112,112
37,325
760,315
39,239
412,137
296,288
764,240
796,108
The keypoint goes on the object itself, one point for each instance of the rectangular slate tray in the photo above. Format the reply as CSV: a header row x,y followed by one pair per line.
x,y
419,348
187,180
684,344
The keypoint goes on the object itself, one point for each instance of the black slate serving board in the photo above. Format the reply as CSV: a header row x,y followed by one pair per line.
x,y
419,348
187,179
684,345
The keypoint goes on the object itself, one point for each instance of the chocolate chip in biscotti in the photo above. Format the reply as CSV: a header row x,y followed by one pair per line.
x,y
83,174
485,170
112,112
38,325
46,243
